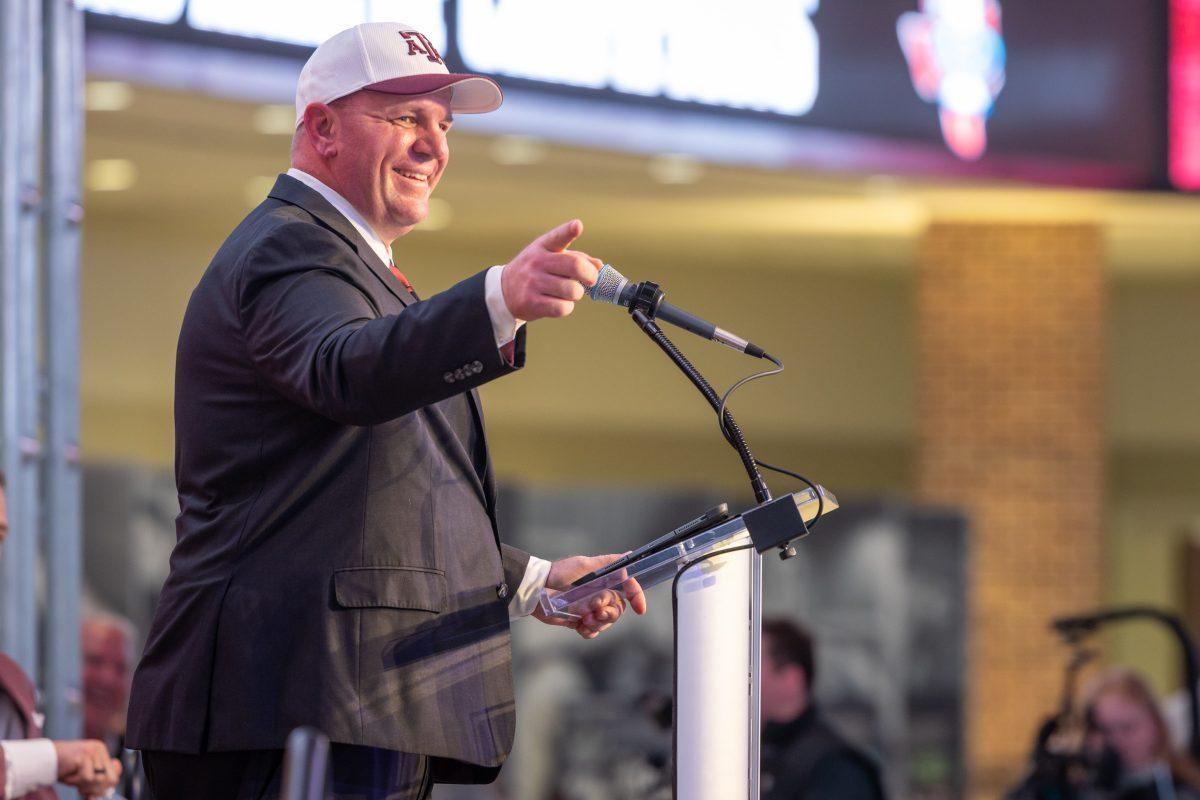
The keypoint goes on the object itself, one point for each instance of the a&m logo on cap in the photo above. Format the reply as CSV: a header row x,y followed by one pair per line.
x,y
419,45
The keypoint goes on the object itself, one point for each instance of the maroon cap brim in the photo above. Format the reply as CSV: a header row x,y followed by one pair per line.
x,y
470,94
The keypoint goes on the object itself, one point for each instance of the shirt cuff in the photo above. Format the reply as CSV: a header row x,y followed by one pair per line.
x,y
504,324
30,764
526,599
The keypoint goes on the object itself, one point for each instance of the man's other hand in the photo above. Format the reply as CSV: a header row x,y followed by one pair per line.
x,y
605,608
546,279
87,766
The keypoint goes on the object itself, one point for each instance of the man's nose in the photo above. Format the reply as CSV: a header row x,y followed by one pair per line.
x,y
433,143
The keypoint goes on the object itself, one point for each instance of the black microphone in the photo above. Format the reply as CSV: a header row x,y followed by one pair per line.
x,y
613,287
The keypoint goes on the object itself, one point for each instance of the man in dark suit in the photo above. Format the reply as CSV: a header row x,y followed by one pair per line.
x,y
338,562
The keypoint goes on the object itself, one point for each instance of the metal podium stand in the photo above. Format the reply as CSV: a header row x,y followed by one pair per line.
x,y
716,637
716,574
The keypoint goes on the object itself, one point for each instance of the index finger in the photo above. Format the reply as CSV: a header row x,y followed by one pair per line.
x,y
557,239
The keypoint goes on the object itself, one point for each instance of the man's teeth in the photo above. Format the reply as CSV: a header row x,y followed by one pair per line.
x,y
416,176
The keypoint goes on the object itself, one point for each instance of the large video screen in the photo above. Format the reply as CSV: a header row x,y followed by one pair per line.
x,y
976,86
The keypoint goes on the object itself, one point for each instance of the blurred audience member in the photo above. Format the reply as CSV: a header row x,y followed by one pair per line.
x,y
30,763
1124,719
803,757
106,643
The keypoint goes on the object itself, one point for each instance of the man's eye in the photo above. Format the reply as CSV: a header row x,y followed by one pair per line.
x,y
406,120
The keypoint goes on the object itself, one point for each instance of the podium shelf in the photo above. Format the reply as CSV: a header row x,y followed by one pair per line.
x,y
662,565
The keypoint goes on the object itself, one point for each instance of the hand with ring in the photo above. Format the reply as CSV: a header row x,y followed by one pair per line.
x,y
87,766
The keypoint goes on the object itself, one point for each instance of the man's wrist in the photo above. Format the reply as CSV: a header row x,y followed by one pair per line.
x,y
525,600
504,324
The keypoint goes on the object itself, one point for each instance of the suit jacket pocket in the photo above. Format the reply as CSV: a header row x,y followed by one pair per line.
x,y
416,588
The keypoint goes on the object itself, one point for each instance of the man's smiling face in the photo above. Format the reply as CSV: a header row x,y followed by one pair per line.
x,y
391,152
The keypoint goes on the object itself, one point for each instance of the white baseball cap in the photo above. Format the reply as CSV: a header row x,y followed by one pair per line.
x,y
388,57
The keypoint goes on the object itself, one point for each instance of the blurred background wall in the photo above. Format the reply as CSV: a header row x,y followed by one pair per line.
x,y
1009,366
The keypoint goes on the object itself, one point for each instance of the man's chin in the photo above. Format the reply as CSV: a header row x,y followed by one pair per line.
x,y
411,218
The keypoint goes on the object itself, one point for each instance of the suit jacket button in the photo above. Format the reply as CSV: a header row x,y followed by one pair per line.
x,y
459,374
502,591
477,367
448,377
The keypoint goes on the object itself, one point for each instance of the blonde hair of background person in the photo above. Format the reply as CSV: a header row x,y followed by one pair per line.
x,y
1124,710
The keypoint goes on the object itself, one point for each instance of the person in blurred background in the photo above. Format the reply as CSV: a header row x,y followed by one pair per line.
x,y
31,763
803,757
1124,719
106,644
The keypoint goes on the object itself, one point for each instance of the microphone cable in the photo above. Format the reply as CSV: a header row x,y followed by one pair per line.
x,y
611,286
775,370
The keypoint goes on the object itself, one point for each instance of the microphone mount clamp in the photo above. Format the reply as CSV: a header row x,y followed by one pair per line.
x,y
647,297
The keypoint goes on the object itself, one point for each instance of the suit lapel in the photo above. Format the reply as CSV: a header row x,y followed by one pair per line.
x,y
459,448
485,484
292,191
385,276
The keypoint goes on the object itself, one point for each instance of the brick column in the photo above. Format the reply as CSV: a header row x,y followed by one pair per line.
x,y
1010,430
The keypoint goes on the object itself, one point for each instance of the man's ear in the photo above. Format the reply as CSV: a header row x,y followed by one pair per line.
x,y
320,124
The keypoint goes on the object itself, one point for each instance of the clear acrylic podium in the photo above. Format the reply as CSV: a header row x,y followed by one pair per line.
x,y
717,615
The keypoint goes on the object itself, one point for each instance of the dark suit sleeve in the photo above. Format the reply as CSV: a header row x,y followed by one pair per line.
x,y
314,335
515,562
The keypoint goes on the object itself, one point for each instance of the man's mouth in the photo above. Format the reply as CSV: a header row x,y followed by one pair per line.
x,y
419,177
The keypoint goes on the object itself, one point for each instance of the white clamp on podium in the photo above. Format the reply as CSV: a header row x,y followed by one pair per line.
x,y
716,720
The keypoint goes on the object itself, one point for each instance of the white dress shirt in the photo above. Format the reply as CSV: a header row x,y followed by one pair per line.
x,y
504,327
